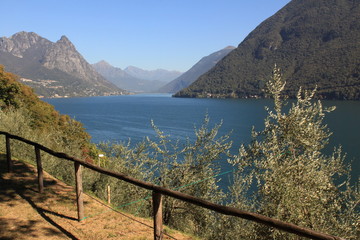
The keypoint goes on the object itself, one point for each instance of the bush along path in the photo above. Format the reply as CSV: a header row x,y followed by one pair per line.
x,y
27,214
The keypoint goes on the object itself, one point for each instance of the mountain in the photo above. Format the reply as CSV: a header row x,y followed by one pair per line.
x,y
161,75
126,81
201,67
314,42
52,69
117,76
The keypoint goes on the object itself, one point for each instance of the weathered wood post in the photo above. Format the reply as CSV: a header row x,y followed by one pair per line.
x,y
39,170
158,219
109,194
79,191
8,154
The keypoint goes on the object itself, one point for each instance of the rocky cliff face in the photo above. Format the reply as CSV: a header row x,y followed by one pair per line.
x,y
52,69
20,43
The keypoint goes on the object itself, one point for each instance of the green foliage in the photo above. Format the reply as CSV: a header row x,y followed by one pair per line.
x,y
23,114
41,115
191,169
282,173
9,88
188,168
293,180
133,161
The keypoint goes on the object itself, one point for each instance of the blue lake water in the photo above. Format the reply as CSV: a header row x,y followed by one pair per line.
x,y
120,118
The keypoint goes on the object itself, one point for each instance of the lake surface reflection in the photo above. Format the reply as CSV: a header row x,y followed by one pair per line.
x,y
120,118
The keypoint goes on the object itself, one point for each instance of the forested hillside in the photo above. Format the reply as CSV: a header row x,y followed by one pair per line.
x,y
13,94
315,42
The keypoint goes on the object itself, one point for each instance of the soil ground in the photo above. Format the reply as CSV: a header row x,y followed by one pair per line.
x,y
27,214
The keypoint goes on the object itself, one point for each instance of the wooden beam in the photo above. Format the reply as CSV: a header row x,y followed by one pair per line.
x,y
39,170
158,218
8,153
255,217
79,191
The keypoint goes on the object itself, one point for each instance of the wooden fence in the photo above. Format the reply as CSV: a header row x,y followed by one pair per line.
x,y
156,196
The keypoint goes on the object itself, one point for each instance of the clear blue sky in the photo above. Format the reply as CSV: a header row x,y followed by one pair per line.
x,y
150,34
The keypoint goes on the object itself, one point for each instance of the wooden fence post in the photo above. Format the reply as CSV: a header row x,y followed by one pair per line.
x,y
158,219
109,194
39,170
8,154
79,191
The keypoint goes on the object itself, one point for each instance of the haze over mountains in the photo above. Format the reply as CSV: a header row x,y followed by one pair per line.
x,y
161,75
201,67
138,80
314,42
52,69
135,79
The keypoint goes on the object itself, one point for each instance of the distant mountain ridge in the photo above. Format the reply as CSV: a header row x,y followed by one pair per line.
x,y
124,80
201,67
158,74
52,69
314,42
135,79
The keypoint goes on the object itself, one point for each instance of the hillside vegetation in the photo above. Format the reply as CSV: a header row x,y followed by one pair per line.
x,y
314,41
282,173
41,115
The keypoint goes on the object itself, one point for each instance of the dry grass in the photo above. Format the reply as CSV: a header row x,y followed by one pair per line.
x,y
27,214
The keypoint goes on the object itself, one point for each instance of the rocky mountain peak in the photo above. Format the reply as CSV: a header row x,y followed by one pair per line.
x,y
29,37
20,42
229,48
64,42
103,64
34,57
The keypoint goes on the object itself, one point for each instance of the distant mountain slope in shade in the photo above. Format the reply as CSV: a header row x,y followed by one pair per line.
x,y
52,69
161,75
314,42
201,67
124,80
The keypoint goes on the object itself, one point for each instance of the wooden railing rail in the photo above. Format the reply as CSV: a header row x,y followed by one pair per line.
x,y
158,191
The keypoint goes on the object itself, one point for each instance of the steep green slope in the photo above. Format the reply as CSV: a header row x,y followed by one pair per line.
x,y
41,116
314,42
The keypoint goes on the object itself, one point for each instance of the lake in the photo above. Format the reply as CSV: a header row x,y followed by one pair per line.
x,y
120,118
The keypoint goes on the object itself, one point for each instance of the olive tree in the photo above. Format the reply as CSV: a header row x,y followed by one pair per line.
x,y
190,167
288,177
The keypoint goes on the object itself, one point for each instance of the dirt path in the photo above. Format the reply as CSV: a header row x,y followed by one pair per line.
x,y
27,214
